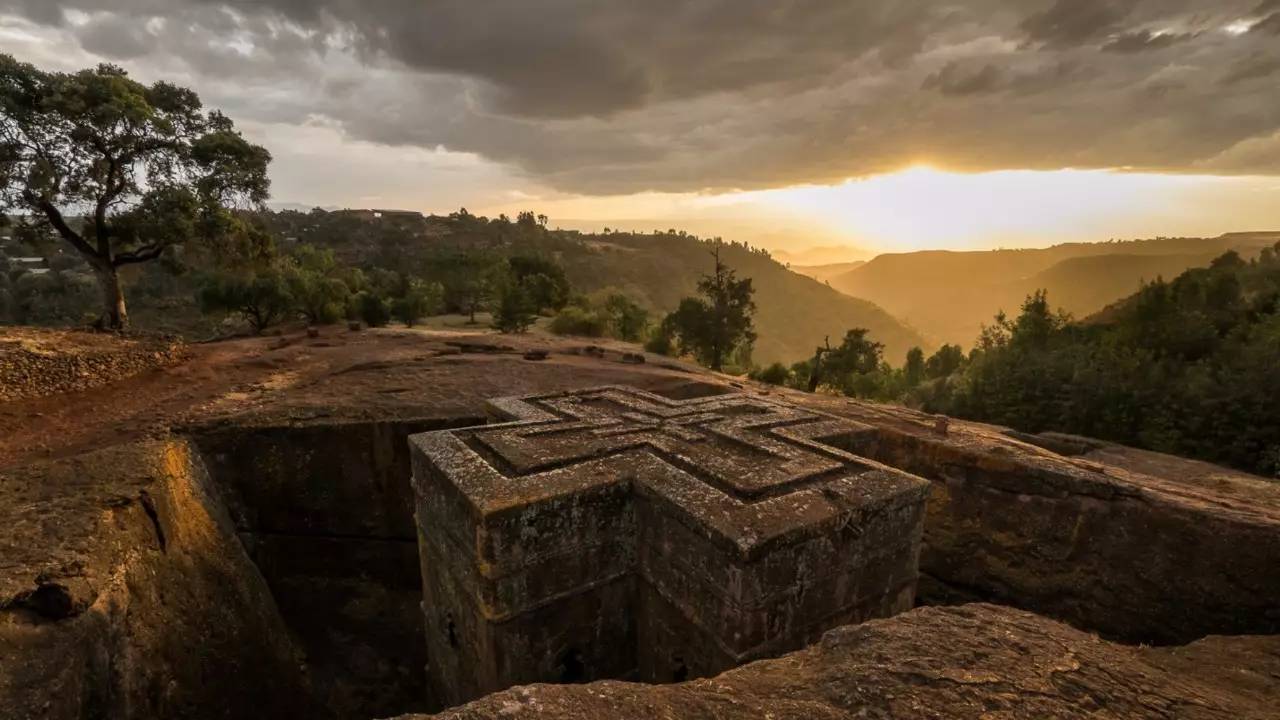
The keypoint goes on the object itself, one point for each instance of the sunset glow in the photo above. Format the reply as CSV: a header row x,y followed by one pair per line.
x,y
924,207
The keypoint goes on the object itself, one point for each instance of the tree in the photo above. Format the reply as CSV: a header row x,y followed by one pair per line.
x,y
543,280
146,164
468,281
714,328
421,299
260,297
944,362
579,320
372,308
515,311
775,374
913,372
846,367
626,317
319,294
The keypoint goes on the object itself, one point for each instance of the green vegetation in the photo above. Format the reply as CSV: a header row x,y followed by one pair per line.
x,y
471,258
580,319
949,295
316,286
719,327
421,299
1189,367
627,320
151,169
607,313
370,308
260,297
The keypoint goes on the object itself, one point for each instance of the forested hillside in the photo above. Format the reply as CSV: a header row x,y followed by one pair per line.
x,y
1189,366
795,313
947,296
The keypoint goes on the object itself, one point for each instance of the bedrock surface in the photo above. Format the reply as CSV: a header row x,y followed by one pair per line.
x,y
124,594
970,661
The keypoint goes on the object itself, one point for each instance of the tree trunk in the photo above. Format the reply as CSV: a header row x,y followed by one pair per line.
x,y
815,374
114,314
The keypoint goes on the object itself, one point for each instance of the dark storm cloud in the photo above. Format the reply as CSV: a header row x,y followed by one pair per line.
x,y
1143,40
1269,25
1255,67
614,95
955,79
116,38
1076,22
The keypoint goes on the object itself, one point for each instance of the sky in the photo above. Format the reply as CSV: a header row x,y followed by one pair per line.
x,y
880,125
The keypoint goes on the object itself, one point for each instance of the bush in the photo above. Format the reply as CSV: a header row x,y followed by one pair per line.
x,y
261,298
661,342
775,374
319,294
627,319
575,320
372,309
515,312
420,300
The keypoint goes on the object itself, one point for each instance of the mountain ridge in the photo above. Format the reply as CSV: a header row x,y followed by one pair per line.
x,y
948,295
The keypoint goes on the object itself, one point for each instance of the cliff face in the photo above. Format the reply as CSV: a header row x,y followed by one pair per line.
x,y
125,594
972,661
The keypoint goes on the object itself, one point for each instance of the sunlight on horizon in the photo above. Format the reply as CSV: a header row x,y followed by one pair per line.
x,y
924,207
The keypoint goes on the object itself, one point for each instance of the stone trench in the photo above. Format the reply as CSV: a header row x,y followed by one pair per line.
x,y
318,610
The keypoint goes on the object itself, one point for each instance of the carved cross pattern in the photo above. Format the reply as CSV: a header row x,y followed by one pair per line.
x,y
624,529
679,428
735,443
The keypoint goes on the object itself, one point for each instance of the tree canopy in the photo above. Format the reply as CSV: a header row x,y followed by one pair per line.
x,y
716,326
145,168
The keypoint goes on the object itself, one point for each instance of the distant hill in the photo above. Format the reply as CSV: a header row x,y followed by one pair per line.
x,y
822,255
824,273
948,296
795,313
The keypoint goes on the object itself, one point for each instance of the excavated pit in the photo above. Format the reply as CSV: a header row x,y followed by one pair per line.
x,y
316,610
326,514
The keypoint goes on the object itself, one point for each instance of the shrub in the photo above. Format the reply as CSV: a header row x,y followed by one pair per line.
x,y
261,298
420,300
627,319
575,320
372,309
515,312
661,342
775,374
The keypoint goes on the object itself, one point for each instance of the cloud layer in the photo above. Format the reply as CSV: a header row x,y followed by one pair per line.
x,y
615,96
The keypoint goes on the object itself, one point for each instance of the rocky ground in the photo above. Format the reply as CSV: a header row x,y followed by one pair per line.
x,y
109,532
384,374
974,661
38,363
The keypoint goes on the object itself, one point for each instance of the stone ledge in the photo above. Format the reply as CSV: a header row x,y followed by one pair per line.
x,y
968,662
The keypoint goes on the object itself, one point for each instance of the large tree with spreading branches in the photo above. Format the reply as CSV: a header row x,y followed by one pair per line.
x,y
120,170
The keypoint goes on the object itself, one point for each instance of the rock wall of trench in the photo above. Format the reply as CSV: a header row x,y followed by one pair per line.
x,y
126,595
326,513
1131,557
